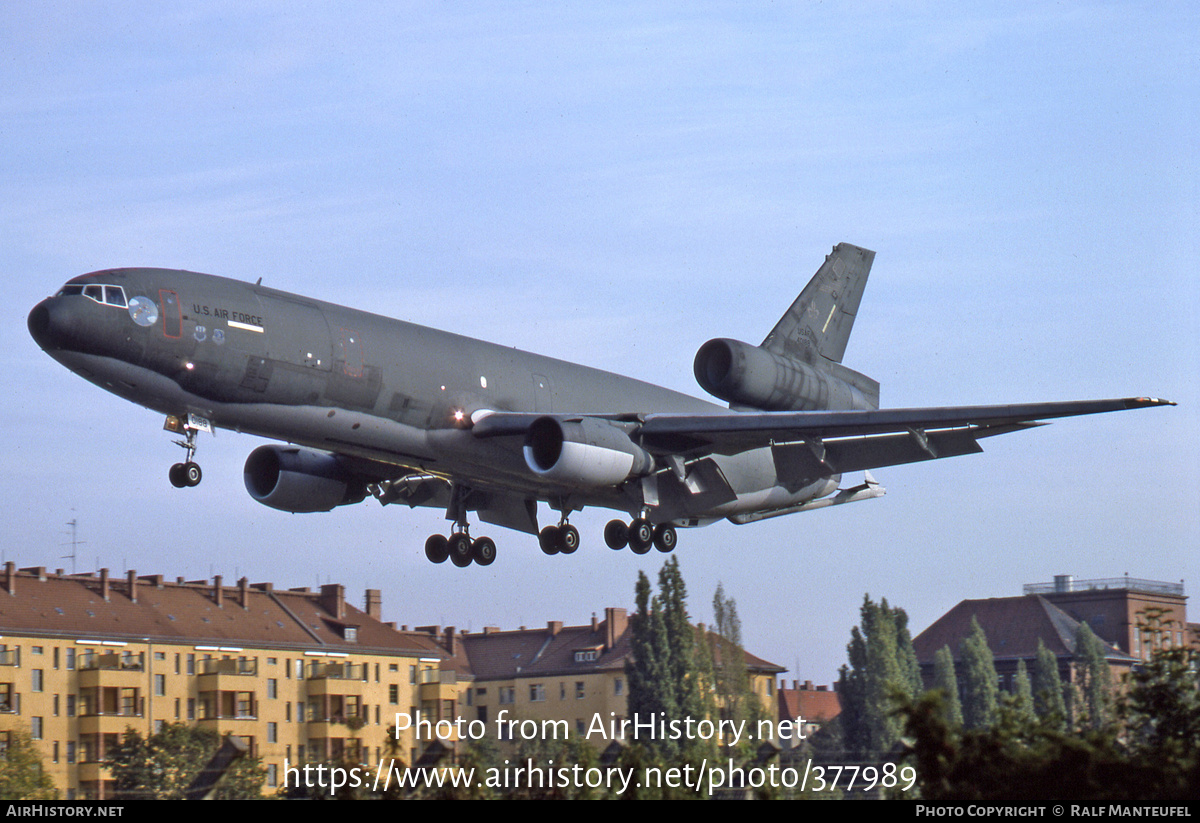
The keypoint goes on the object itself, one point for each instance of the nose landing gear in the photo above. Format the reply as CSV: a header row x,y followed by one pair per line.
x,y
187,473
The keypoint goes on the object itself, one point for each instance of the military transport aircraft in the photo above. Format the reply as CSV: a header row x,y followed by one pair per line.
x,y
371,405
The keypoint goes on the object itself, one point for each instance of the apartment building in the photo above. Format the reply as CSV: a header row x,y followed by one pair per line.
x,y
301,675
573,676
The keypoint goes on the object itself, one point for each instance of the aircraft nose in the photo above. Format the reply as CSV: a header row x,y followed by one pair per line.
x,y
46,325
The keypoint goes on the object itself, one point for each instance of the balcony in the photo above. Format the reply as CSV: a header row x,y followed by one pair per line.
x,y
111,671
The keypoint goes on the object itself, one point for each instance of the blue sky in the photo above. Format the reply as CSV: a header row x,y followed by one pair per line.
x,y
615,184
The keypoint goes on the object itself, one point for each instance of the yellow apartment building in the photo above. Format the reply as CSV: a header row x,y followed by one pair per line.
x,y
302,676
573,676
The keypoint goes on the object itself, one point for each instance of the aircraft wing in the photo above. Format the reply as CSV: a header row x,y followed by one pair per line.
x,y
839,441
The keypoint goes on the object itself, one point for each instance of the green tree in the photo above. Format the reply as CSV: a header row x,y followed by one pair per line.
x,y
878,677
1022,697
21,774
648,670
162,766
980,692
732,684
1097,677
664,677
1048,699
944,678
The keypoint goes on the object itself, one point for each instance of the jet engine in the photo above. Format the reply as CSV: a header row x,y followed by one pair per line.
x,y
587,452
752,376
293,479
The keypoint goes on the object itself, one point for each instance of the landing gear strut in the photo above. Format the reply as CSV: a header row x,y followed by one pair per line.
x,y
187,473
640,535
459,547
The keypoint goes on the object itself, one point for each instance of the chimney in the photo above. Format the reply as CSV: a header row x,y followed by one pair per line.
x,y
131,576
375,604
333,600
244,592
218,592
615,623
450,641
554,627
104,584
10,577
595,623
808,687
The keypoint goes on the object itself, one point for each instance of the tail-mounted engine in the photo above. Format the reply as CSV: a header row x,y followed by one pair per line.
x,y
587,452
752,376
293,479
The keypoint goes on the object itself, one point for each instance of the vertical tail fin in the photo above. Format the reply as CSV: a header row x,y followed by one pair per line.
x,y
820,321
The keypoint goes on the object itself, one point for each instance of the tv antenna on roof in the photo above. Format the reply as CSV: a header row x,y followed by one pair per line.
x,y
75,544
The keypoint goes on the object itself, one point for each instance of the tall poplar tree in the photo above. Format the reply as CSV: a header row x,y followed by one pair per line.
x,y
881,672
980,692
1048,699
944,678
1097,677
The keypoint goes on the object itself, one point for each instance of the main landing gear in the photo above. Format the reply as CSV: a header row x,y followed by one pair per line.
x,y
640,535
461,549
187,473
560,539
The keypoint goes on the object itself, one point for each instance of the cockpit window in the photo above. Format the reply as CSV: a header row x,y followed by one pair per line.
x,y
108,295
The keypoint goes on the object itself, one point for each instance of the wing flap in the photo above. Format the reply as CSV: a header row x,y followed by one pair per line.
x,y
734,432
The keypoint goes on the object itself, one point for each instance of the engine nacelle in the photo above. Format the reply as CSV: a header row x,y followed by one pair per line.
x,y
293,479
586,452
752,376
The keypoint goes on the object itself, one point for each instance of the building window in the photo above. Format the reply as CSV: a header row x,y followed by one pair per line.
x,y
287,711
56,657
55,755
618,687
35,680
160,685
272,688
70,751
191,664
508,695
35,728
70,705
177,662
394,694
56,705
579,690
158,726
70,659
272,775
562,690
272,732
177,704
537,692
191,711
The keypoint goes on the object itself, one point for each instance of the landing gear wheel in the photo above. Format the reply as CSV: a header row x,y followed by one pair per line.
x,y
483,551
177,477
665,537
437,548
549,540
616,534
568,539
192,474
460,550
641,536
